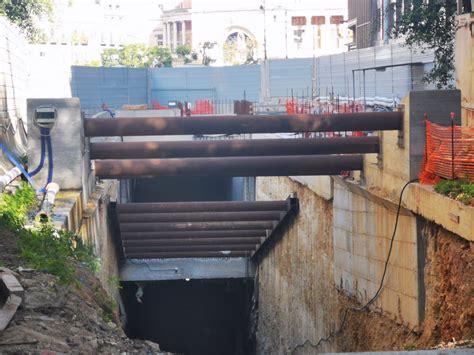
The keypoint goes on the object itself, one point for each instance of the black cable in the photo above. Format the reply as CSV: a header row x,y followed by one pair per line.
x,y
376,295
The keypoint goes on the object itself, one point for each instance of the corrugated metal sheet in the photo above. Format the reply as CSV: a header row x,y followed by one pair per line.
x,y
289,75
114,86
197,83
307,77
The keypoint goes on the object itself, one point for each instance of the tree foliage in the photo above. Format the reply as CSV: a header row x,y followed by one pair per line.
x,y
206,52
432,25
136,56
24,13
186,53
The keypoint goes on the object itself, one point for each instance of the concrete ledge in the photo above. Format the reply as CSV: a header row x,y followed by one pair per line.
x,y
186,268
448,213
322,186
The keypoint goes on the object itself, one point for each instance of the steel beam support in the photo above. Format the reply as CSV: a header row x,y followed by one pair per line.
x,y
191,241
129,236
199,217
187,268
189,254
203,206
195,226
186,248
230,166
146,126
226,148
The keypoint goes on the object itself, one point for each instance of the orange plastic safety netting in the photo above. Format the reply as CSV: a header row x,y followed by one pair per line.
x,y
440,162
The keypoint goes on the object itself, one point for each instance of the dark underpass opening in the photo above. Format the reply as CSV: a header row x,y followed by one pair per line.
x,y
192,317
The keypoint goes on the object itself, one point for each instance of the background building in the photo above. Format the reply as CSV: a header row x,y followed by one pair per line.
x,y
245,31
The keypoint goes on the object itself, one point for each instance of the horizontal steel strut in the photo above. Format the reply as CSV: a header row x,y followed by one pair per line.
x,y
237,147
195,125
230,166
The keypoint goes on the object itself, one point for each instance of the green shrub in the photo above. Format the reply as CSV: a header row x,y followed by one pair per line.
x,y
44,247
14,208
460,190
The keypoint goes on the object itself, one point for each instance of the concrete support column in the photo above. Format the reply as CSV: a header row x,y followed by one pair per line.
x,y
165,34
168,29
175,35
183,32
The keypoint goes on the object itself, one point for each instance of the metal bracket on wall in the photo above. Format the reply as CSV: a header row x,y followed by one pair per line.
x,y
401,134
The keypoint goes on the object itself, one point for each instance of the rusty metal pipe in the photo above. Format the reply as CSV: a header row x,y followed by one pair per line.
x,y
195,226
189,254
230,166
202,206
191,241
199,217
172,248
194,234
225,148
146,126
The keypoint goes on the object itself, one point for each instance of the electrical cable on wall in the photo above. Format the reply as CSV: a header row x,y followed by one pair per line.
x,y
373,299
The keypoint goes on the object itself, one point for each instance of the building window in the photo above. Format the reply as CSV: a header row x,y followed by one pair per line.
x,y
318,20
298,21
336,20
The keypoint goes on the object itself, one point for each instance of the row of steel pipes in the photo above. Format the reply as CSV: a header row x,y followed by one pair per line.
x,y
226,228
252,157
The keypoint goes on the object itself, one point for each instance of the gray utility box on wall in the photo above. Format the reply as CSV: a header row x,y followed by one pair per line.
x,y
63,118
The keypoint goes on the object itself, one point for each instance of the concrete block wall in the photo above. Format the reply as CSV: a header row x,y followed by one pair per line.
x,y
362,229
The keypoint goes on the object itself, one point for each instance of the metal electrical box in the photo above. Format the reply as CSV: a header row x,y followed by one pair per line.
x,y
63,119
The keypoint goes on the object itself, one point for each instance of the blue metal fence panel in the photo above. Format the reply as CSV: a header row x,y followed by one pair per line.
x,y
199,83
113,86
287,76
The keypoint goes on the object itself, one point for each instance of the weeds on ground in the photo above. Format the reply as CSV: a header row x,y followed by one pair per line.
x,y
14,208
44,247
459,190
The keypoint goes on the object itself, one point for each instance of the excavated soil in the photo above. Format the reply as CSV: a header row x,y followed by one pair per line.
x,y
449,317
59,318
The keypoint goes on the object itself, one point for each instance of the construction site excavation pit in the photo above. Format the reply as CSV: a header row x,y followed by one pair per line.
x,y
191,316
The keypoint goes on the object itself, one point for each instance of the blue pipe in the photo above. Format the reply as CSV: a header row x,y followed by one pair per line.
x,y
44,132
50,158
20,167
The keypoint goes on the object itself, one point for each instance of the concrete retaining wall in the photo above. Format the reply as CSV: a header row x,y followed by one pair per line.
x,y
297,299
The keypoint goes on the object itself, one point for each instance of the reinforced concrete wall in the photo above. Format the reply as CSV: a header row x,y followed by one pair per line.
x,y
297,300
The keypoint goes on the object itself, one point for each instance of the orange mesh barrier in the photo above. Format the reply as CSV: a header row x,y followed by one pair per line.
x,y
439,153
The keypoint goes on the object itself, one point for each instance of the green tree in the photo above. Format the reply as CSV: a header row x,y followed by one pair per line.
x,y
159,57
24,13
136,56
110,57
185,52
431,25
205,50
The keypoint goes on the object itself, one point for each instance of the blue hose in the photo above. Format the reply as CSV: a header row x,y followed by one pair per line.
x,y
45,140
50,159
20,167
44,132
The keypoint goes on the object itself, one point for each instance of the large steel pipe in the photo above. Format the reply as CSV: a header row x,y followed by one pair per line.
x,y
199,217
226,148
194,234
195,226
231,166
151,126
171,248
202,206
191,241
189,254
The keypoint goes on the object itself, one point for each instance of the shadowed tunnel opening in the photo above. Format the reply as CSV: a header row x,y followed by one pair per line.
x,y
182,188
192,317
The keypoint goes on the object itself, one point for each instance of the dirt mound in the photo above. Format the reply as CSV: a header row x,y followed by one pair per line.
x,y
54,317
